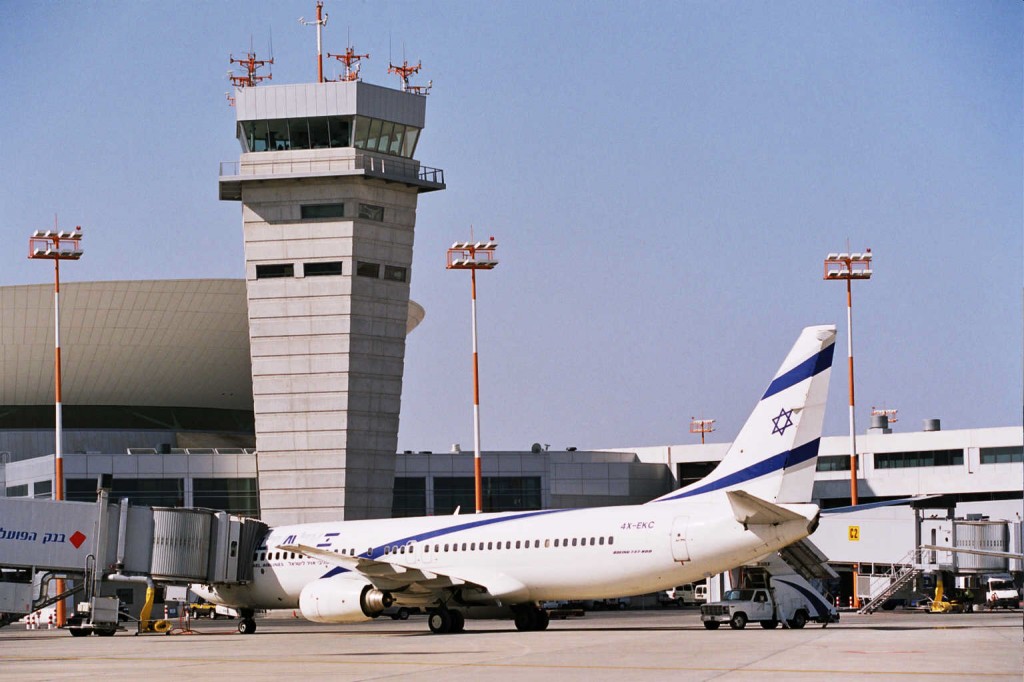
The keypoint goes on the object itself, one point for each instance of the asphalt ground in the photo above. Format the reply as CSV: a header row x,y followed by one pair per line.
x,y
628,645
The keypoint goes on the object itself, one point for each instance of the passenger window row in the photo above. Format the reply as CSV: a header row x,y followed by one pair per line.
x,y
439,548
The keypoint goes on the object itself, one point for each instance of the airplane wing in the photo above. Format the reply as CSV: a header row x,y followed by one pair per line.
x,y
392,575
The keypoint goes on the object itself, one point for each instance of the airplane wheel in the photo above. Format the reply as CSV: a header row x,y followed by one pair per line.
x,y
524,620
247,626
403,613
440,621
738,622
769,624
458,621
543,619
710,625
799,620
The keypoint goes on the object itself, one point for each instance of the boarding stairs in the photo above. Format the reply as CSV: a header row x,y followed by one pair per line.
x,y
808,561
900,573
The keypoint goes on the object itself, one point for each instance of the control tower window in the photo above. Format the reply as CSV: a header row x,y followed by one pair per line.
x,y
386,130
394,273
275,270
341,132
374,134
322,269
409,143
362,130
371,212
298,128
364,269
319,136
255,136
317,211
277,135
395,148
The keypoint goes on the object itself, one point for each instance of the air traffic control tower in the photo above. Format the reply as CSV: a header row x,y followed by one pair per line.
x,y
328,186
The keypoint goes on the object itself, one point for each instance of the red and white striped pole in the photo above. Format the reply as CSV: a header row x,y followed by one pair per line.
x,y
477,467
850,266
57,246
474,256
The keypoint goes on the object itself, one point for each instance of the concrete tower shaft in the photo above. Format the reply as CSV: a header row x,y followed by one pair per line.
x,y
329,188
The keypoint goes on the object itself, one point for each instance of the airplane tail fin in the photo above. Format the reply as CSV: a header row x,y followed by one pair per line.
x,y
775,453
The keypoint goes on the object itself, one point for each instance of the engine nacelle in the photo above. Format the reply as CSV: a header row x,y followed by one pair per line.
x,y
342,600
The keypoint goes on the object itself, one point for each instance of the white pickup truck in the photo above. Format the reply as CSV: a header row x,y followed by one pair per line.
x,y
783,603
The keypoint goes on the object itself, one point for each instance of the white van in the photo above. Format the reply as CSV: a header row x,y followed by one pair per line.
x,y
684,595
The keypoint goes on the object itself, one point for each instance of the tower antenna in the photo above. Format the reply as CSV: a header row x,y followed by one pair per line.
x,y
250,64
321,21
349,59
404,71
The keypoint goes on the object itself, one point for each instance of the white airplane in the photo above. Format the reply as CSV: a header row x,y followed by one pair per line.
x,y
755,502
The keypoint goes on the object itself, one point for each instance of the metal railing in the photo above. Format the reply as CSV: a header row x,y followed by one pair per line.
x,y
377,166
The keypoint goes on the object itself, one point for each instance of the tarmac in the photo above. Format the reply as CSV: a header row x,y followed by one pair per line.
x,y
628,645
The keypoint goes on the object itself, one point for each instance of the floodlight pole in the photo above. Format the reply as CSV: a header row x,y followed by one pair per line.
x,y
57,246
850,266
702,426
474,256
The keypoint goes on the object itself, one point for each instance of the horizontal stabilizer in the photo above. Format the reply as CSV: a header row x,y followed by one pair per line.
x,y
753,511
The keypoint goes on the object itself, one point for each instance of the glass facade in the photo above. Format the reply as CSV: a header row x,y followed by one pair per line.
x,y
234,495
328,132
501,493
129,418
834,463
80,489
921,458
150,492
410,497
1005,455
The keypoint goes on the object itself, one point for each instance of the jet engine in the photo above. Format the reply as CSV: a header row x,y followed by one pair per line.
x,y
342,600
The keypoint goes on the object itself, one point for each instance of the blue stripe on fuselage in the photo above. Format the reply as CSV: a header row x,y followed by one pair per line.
x,y
805,370
438,532
783,460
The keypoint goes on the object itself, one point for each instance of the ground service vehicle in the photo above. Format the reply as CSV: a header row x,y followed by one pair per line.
x,y
684,595
784,602
1001,592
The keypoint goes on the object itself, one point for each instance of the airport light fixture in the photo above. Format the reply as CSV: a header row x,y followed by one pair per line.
x,y
848,267
702,426
474,256
57,246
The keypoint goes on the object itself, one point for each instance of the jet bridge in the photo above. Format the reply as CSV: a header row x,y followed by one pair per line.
x,y
93,544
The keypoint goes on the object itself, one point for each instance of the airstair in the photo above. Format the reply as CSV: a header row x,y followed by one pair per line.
x,y
808,561
900,574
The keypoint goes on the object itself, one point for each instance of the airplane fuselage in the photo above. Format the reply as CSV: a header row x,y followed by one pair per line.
x,y
536,556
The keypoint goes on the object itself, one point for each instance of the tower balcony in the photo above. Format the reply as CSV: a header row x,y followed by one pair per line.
x,y
323,163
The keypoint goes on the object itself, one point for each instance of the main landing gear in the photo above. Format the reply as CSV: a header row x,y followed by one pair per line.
x,y
443,622
531,618
246,624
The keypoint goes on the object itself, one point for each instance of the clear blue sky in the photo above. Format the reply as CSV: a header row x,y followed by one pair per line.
x,y
664,180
